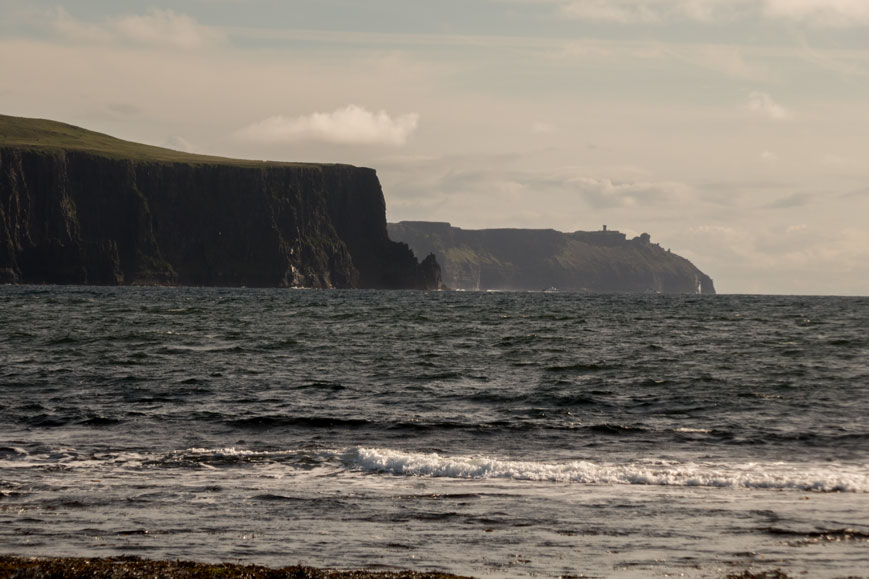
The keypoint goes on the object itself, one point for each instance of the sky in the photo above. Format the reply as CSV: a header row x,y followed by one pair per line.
x,y
734,132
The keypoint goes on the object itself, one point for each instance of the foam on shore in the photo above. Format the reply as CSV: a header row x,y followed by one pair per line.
x,y
759,475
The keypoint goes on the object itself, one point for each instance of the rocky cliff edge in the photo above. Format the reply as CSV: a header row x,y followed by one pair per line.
x,y
78,207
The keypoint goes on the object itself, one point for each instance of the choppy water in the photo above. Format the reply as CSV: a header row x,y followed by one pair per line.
x,y
491,434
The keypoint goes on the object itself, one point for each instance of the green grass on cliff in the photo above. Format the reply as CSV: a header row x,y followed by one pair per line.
x,y
43,134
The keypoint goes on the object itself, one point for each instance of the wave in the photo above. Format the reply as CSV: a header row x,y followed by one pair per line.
x,y
69,459
777,476
273,421
826,477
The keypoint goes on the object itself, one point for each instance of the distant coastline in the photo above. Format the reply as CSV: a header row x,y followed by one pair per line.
x,y
602,261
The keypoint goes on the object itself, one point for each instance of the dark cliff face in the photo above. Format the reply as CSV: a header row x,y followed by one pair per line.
x,y
537,259
358,212
70,216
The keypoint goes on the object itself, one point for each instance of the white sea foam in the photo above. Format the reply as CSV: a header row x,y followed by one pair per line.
x,y
227,451
767,475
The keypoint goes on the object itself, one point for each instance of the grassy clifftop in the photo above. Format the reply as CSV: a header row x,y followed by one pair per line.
x,y
27,133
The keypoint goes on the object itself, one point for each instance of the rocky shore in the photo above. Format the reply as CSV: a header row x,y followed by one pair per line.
x,y
135,567
127,567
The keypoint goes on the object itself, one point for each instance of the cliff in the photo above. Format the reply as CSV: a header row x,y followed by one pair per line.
x,y
80,207
536,259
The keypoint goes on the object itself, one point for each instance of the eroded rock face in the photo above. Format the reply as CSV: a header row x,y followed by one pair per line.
x,y
77,217
537,259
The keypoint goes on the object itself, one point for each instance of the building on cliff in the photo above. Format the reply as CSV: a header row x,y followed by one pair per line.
x,y
531,259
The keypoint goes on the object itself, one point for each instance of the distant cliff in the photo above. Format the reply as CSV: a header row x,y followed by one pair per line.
x,y
537,259
78,207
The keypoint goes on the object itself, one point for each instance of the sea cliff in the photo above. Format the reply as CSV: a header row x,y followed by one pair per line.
x,y
538,259
78,207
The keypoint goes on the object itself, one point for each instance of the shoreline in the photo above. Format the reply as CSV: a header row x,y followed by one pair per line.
x,y
134,567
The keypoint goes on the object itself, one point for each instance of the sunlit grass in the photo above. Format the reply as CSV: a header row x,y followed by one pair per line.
x,y
46,134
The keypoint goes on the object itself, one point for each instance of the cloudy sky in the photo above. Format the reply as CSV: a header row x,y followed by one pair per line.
x,y
735,132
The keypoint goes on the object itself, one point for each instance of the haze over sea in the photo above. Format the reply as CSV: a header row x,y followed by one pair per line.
x,y
490,434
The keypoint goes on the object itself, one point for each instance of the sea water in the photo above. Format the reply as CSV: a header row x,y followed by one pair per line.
x,y
488,434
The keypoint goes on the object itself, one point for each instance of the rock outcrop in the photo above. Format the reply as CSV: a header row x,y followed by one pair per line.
x,y
77,207
537,259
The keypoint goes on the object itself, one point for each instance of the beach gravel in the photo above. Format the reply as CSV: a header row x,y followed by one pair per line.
x,y
135,567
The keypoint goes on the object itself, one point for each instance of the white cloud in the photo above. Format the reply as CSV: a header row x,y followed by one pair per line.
x,y
586,49
65,25
836,13
604,192
720,58
610,11
838,162
542,128
823,13
852,166
351,125
156,28
781,259
646,11
762,103
727,59
165,28
769,156
179,143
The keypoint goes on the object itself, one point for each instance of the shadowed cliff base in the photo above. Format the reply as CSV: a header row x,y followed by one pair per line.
x,y
78,207
539,259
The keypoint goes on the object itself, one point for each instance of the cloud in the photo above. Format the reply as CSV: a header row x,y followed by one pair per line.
x,y
743,62
351,125
610,11
828,13
844,165
65,25
124,109
156,28
166,28
782,259
542,128
726,59
651,11
820,13
513,190
179,143
791,201
601,193
838,162
645,11
862,193
762,103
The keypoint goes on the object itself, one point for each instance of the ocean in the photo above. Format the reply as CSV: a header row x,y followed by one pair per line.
x,y
487,434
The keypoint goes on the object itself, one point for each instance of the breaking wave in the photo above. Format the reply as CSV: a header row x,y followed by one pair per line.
x,y
779,475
